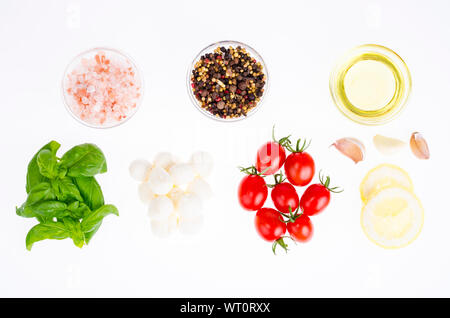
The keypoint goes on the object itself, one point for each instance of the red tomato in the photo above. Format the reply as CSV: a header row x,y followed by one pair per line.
x,y
299,168
270,158
302,229
315,199
284,196
252,192
269,225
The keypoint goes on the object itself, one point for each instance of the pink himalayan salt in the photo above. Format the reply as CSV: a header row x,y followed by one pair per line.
x,y
103,90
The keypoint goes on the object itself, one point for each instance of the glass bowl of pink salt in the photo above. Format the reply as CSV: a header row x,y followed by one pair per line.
x,y
102,88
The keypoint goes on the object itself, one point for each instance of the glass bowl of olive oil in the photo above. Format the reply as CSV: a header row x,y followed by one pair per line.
x,y
370,84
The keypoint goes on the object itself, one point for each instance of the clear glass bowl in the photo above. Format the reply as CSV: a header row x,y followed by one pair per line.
x,y
210,49
109,53
395,64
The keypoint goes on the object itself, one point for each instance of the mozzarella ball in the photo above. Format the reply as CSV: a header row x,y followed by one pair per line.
x,y
182,174
175,194
189,205
173,220
160,208
201,188
160,181
145,192
164,160
191,225
163,228
202,163
139,169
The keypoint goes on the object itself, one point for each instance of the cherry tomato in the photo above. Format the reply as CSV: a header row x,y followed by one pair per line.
x,y
270,158
302,229
315,199
317,196
269,225
299,168
252,192
284,196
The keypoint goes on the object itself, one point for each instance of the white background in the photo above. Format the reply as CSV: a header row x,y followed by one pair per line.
x,y
300,41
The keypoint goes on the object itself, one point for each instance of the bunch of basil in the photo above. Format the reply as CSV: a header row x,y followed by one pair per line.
x,y
63,194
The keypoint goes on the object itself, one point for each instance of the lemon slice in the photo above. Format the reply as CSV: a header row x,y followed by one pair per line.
x,y
392,218
383,176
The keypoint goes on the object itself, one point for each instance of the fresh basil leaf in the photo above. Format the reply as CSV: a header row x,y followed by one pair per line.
x,y
34,177
84,160
89,235
63,194
28,211
74,228
79,210
90,191
47,163
90,222
43,209
62,171
66,190
47,230
73,206
24,212
49,209
43,219
40,192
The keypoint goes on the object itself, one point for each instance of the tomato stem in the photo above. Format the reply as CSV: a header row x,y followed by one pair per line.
x,y
281,243
284,142
299,148
279,178
325,181
252,171
292,216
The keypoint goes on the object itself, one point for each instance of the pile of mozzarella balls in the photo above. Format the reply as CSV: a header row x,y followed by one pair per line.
x,y
174,192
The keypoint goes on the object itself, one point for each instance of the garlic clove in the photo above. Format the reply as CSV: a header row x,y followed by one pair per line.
x,y
387,145
419,146
351,147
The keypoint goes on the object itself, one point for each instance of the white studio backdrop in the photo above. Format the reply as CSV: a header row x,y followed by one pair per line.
x,y
299,41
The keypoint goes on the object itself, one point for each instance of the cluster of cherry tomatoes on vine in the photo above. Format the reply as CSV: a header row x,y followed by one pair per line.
x,y
292,213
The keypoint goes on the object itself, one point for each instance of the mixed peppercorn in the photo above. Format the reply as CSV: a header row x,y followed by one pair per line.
x,y
229,82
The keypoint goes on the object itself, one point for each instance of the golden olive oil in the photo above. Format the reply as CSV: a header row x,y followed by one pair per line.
x,y
371,84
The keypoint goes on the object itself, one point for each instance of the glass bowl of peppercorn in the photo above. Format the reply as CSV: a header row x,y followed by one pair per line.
x,y
227,81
